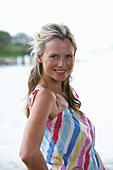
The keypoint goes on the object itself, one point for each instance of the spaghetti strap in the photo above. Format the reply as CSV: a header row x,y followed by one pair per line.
x,y
32,97
57,104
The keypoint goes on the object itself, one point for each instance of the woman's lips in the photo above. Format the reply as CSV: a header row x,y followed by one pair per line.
x,y
60,71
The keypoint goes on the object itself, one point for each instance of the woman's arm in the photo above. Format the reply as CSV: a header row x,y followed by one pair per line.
x,y
33,134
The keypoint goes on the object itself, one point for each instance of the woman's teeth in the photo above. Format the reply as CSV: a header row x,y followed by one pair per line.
x,y
60,71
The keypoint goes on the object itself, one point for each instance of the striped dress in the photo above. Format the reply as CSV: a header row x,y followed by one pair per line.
x,y
69,141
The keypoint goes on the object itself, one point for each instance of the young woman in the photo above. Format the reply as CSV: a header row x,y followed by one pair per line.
x,y
57,136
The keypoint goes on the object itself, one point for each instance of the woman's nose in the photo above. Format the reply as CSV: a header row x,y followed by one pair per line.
x,y
61,62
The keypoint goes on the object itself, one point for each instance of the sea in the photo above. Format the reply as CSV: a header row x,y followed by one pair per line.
x,y
92,79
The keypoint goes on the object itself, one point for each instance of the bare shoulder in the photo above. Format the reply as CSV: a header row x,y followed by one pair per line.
x,y
46,95
44,102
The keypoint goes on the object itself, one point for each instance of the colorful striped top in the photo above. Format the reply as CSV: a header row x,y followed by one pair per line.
x,y
69,141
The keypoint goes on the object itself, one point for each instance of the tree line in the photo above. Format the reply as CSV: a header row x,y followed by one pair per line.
x,y
13,46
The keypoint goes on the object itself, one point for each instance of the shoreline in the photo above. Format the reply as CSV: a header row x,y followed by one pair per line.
x,y
8,61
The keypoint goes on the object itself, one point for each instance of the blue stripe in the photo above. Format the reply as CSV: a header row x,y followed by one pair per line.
x,y
50,150
41,87
65,132
73,138
43,144
44,141
93,160
97,159
46,132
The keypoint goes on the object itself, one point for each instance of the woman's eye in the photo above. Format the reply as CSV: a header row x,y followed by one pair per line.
x,y
54,56
68,56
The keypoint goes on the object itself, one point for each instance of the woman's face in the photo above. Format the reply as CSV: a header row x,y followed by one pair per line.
x,y
57,59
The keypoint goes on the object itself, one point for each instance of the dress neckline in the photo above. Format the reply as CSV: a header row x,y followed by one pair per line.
x,y
69,109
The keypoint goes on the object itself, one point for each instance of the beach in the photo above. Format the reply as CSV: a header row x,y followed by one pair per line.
x,y
92,80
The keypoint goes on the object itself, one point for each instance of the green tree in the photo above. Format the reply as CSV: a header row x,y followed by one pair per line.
x,y
5,39
13,46
21,38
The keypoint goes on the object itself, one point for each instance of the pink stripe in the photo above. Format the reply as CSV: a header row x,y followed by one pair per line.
x,y
49,124
29,103
76,94
80,161
82,117
87,153
91,132
63,167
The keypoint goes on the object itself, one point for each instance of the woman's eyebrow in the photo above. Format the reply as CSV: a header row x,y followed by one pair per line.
x,y
50,54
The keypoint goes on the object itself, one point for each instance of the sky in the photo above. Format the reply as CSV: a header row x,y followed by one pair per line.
x,y
90,21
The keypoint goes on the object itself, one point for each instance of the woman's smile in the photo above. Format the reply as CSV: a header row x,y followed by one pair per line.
x,y
60,71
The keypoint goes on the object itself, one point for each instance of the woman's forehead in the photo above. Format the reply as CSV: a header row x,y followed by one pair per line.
x,y
57,44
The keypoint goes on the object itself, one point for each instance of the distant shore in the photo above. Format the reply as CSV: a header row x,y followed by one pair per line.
x,y
8,61
13,61
19,60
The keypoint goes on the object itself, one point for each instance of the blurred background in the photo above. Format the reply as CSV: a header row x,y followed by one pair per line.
x,y
91,23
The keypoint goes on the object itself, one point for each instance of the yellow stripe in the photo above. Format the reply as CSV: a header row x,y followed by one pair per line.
x,y
31,101
57,163
99,158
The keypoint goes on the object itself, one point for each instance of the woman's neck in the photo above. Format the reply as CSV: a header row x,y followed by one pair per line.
x,y
54,86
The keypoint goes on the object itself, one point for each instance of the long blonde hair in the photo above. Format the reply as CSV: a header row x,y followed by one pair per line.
x,y
48,32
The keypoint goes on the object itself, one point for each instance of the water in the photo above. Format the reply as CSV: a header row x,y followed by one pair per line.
x,y
93,82
13,83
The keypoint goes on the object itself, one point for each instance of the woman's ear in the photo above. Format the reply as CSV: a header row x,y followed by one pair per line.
x,y
39,58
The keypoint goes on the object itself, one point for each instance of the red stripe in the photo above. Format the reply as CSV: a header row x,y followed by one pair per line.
x,y
57,127
35,91
87,159
57,104
87,153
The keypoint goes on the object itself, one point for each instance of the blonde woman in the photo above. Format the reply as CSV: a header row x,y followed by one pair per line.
x,y
57,136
